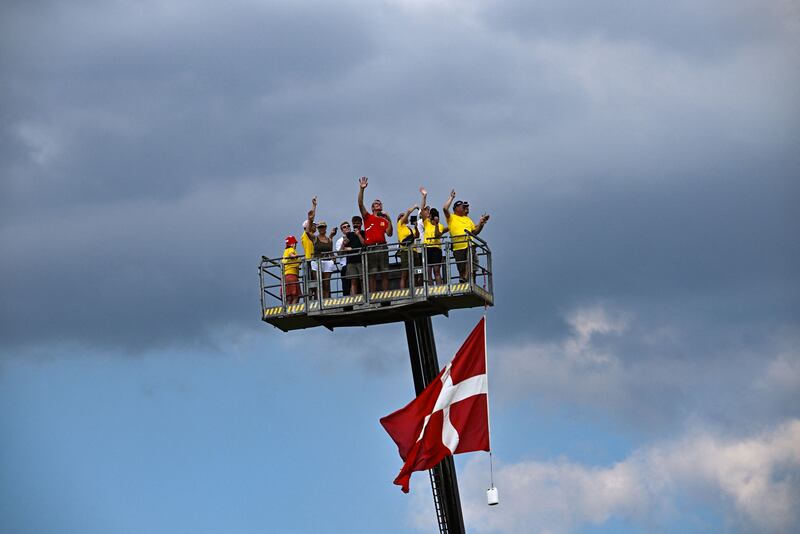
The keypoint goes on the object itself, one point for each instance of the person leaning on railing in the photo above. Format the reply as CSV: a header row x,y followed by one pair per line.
x,y
377,225
405,236
461,227
291,270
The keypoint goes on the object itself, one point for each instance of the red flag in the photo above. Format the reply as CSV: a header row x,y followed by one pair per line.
x,y
450,416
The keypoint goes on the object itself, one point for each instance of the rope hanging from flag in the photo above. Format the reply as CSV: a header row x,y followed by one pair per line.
x,y
450,416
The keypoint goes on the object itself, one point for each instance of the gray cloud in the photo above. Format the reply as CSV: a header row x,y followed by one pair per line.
x,y
150,156
650,375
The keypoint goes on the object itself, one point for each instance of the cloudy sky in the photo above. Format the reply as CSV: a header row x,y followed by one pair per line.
x,y
640,163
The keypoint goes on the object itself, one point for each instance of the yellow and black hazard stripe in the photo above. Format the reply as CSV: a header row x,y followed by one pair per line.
x,y
390,294
459,288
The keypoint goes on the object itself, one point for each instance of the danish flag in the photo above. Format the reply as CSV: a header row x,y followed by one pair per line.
x,y
450,416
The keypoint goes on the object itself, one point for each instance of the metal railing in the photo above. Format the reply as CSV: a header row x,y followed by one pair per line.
x,y
392,272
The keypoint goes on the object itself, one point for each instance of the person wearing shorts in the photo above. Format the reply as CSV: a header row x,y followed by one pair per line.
x,y
433,244
377,225
461,228
405,236
291,270
323,258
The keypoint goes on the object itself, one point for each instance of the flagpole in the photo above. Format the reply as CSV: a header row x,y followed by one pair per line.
x,y
488,417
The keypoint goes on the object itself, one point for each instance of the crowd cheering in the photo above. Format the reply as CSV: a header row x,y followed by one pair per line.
x,y
421,234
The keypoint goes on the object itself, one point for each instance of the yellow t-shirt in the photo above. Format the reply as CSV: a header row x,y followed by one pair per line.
x,y
308,246
403,231
290,265
459,225
430,234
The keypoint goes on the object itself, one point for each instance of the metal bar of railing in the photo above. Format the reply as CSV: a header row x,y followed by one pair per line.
x,y
261,284
365,274
470,267
275,276
425,281
283,290
448,253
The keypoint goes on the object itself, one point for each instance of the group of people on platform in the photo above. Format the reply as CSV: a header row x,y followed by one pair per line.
x,y
318,245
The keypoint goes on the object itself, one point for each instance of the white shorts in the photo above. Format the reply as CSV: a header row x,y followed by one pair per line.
x,y
327,266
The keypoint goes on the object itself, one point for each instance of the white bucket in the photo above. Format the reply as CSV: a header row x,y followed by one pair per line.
x,y
492,497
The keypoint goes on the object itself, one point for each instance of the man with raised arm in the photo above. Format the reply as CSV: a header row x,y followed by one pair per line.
x,y
377,225
405,237
461,227
308,238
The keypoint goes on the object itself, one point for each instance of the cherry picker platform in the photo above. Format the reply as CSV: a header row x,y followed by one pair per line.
x,y
465,285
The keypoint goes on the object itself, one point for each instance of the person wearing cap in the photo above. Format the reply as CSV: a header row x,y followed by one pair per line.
x,y
433,244
405,236
377,225
323,257
461,228
291,270
309,239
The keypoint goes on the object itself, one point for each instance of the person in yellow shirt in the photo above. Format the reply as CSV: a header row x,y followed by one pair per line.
x,y
405,236
461,228
291,270
433,243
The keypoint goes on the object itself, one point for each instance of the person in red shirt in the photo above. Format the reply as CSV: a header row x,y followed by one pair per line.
x,y
377,225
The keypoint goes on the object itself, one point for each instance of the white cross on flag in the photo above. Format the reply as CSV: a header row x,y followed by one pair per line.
x,y
450,416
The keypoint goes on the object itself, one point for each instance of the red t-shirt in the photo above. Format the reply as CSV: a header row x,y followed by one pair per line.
x,y
375,229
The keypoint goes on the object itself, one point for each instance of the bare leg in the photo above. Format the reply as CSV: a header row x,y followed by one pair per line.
x,y
437,272
326,285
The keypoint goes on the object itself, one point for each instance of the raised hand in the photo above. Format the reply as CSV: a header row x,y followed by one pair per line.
x,y
363,181
452,193
314,202
484,218
423,191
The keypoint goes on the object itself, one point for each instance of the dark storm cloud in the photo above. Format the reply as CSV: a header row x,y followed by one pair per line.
x,y
154,156
130,103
